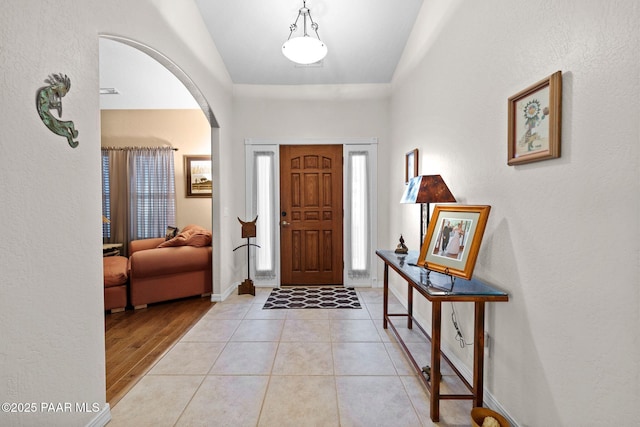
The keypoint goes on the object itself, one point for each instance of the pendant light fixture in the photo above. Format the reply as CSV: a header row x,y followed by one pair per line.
x,y
304,49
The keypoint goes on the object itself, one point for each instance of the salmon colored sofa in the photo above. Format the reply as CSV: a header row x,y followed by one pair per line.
x,y
163,270
115,283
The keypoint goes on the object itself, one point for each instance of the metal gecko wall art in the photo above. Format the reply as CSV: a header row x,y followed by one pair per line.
x,y
49,99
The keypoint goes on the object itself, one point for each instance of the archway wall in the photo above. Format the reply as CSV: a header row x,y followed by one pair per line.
x,y
52,293
174,34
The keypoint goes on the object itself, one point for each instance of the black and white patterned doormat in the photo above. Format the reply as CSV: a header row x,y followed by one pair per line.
x,y
298,297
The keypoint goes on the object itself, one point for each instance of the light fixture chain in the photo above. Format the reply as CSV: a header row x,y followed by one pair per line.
x,y
293,26
314,26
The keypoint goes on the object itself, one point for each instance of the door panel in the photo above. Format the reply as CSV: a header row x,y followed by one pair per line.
x,y
311,214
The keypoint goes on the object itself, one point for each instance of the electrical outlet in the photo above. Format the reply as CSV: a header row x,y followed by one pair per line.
x,y
487,344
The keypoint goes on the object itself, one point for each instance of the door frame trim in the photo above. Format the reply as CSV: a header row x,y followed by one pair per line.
x,y
256,142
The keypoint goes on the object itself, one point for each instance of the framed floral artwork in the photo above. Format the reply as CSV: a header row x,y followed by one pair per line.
x,y
197,171
535,115
453,239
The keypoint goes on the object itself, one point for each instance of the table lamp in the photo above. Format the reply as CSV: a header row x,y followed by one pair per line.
x,y
425,189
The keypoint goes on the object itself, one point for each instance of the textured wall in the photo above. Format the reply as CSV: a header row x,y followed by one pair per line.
x,y
280,113
51,294
562,238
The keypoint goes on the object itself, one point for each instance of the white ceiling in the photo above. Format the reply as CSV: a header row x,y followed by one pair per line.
x,y
141,81
365,39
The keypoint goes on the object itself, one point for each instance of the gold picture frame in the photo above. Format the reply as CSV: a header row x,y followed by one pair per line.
x,y
535,117
410,165
198,178
453,239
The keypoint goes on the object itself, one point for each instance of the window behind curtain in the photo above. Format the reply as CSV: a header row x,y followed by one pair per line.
x,y
152,192
149,193
106,196
360,214
358,183
265,202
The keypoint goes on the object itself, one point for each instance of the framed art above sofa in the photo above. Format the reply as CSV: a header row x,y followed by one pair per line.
x,y
197,172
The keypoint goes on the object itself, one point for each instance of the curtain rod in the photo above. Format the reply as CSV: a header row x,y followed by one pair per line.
x,y
137,148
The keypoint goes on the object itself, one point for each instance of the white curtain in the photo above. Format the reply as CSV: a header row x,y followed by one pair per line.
x,y
264,202
139,195
358,254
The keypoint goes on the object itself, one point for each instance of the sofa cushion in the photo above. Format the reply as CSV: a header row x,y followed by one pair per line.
x,y
152,263
115,270
190,236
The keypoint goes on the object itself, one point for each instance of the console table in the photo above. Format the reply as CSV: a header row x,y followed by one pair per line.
x,y
462,291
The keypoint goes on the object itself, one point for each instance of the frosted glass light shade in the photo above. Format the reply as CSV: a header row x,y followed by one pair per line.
x,y
304,50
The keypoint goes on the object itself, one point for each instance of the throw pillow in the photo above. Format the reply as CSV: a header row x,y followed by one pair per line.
x,y
192,236
171,233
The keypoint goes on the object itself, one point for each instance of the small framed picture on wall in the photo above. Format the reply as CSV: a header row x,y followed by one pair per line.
x,y
410,165
535,115
198,176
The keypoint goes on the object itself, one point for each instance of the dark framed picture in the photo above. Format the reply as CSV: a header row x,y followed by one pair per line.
x,y
535,116
410,165
197,171
453,239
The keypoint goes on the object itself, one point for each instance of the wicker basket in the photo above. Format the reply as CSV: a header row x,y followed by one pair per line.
x,y
478,415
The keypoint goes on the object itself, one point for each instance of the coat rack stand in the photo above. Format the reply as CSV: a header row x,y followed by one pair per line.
x,y
248,231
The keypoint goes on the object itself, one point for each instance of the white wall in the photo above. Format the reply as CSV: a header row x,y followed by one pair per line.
x,y
562,237
310,112
51,295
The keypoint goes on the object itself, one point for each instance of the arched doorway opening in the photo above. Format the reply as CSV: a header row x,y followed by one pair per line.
x,y
201,101
212,127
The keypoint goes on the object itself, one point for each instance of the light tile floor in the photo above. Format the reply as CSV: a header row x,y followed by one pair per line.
x,y
244,366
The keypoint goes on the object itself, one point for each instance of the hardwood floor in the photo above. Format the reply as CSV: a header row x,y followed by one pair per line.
x,y
134,340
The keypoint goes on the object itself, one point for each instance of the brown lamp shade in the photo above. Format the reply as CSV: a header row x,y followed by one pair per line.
x,y
427,189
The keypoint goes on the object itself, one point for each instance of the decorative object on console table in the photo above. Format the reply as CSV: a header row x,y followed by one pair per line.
x,y
401,248
248,231
425,189
453,239
197,171
535,117
410,165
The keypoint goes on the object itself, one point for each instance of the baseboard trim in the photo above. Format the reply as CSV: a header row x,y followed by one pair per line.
x,y
223,296
102,418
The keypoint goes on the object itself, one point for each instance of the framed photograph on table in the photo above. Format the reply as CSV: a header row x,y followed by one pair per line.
x,y
410,165
197,172
453,239
535,116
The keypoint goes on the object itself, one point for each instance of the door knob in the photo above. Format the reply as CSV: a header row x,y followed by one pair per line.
x,y
285,223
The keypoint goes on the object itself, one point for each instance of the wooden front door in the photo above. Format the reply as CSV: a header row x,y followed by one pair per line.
x,y
311,214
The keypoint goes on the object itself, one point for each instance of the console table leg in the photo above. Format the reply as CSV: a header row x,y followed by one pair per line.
x,y
436,320
478,355
409,306
385,296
